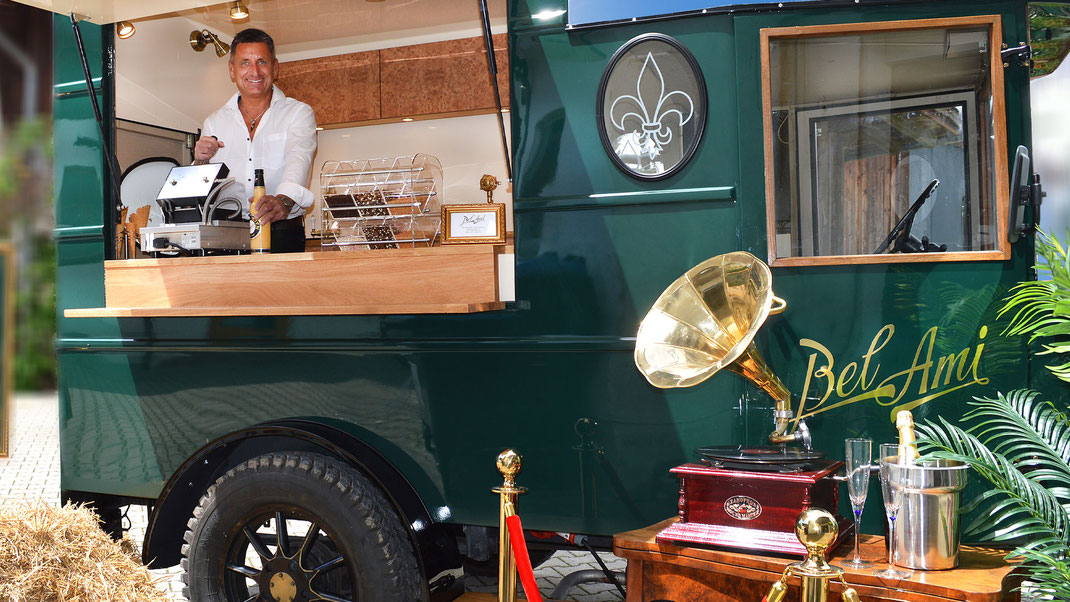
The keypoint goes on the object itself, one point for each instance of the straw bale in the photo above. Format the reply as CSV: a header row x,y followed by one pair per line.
x,y
61,554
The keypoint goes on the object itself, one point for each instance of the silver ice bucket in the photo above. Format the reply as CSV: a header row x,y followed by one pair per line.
x,y
927,526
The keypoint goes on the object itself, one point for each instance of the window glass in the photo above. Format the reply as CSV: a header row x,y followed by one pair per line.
x,y
883,144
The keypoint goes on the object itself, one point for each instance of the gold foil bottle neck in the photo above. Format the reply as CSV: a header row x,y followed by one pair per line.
x,y
908,445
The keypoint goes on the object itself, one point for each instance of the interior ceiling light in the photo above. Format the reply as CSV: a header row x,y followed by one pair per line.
x,y
238,11
124,29
199,40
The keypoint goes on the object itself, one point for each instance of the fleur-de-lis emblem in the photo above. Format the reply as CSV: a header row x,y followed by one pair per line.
x,y
646,113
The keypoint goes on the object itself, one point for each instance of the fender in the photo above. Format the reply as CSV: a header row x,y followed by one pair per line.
x,y
435,542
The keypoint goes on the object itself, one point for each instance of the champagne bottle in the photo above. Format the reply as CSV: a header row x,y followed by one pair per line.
x,y
259,234
908,445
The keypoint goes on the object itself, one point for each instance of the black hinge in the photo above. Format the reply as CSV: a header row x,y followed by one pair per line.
x,y
1021,54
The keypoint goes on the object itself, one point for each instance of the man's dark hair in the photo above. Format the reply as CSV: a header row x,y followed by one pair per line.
x,y
252,36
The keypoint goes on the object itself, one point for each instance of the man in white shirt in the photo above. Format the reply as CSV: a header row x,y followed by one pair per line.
x,y
262,128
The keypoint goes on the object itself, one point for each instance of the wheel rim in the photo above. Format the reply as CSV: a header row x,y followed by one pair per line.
x,y
286,555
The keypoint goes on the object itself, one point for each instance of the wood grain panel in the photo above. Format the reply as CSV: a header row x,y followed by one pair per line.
x,y
278,310
446,279
665,571
441,77
338,88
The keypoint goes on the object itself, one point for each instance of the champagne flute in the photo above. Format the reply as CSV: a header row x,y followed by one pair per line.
x,y
893,478
859,454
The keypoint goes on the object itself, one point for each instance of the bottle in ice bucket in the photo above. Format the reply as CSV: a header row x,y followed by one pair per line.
x,y
259,234
908,445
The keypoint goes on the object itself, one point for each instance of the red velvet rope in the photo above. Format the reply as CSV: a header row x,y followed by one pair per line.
x,y
523,562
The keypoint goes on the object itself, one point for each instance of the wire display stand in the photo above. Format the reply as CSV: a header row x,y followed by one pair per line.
x,y
387,203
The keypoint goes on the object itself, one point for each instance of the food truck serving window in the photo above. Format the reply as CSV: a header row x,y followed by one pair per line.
x,y
885,142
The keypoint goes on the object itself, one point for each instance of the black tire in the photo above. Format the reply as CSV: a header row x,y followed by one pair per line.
x,y
353,545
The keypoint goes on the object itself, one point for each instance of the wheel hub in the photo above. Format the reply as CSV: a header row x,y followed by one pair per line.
x,y
282,587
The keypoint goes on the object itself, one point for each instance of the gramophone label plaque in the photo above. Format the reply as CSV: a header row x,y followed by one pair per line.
x,y
742,507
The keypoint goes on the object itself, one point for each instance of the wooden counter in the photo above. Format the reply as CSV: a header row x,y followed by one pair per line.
x,y
448,279
668,572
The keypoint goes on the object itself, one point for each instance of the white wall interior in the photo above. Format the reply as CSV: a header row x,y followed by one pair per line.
x,y
161,80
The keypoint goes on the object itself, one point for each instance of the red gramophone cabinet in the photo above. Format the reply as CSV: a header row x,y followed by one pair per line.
x,y
752,510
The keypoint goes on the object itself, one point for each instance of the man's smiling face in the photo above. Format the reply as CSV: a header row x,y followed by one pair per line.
x,y
253,69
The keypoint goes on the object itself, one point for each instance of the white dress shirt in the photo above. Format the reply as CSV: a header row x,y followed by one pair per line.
x,y
283,146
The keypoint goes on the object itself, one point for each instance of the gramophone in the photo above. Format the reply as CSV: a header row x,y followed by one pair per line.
x,y
735,496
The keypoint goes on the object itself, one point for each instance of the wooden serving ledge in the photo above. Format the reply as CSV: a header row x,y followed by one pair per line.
x,y
429,280
659,571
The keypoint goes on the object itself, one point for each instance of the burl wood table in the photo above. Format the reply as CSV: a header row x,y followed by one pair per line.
x,y
666,572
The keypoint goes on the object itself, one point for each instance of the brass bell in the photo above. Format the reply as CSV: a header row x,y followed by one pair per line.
x,y
850,595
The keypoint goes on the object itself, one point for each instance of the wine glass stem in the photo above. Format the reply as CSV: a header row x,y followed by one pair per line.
x,y
891,539
858,530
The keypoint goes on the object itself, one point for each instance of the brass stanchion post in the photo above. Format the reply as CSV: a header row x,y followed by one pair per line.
x,y
509,464
816,529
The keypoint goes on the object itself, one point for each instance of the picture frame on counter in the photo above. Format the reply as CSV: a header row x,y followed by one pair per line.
x,y
476,223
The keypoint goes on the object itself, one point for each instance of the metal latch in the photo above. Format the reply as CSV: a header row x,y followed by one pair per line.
x,y
1021,54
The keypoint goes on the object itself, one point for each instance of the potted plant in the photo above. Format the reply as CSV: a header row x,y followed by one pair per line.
x,y
1021,444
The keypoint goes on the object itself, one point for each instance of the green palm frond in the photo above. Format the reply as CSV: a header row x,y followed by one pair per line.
x,y
1028,509
1051,575
1042,308
1033,435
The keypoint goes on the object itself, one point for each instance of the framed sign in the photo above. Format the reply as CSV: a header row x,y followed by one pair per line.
x,y
473,223
651,107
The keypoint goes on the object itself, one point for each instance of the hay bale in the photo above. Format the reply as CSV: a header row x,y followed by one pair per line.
x,y
62,554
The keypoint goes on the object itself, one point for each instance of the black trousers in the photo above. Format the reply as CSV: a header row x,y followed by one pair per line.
x,y
288,236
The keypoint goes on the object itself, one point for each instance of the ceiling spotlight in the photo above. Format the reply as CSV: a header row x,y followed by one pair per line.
x,y
199,40
238,11
124,29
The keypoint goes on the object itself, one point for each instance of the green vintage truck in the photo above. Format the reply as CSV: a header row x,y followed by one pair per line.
x,y
642,142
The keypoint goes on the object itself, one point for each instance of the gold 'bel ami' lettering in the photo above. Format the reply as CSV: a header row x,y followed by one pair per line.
x,y
925,380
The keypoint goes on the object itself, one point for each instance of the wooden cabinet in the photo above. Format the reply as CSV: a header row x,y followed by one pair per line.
x,y
435,79
665,572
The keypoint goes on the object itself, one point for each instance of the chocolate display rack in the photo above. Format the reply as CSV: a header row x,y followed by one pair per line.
x,y
387,203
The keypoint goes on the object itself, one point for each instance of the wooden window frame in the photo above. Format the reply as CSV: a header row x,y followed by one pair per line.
x,y
999,125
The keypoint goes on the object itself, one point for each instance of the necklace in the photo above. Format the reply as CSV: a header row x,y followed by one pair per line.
x,y
252,122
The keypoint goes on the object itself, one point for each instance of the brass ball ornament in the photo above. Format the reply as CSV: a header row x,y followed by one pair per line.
x,y
816,529
509,464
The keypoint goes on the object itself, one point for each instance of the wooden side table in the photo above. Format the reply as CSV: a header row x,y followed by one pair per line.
x,y
666,572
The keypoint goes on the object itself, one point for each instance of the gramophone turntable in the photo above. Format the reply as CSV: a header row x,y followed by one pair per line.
x,y
735,496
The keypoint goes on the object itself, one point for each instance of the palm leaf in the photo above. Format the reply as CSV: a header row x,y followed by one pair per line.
x,y
1033,435
1031,509
1040,309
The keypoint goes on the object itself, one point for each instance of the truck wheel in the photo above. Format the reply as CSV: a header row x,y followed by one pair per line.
x,y
293,527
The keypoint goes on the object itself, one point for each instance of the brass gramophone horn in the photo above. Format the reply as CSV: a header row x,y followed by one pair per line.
x,y
705,321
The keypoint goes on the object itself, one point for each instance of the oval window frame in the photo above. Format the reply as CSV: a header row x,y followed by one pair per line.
x,y
700,113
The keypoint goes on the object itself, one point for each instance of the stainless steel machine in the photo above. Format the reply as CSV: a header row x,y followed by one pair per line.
x,y
199,216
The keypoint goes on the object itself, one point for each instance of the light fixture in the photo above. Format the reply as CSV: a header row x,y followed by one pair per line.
x,y
238,11
406,118
199,40
124,29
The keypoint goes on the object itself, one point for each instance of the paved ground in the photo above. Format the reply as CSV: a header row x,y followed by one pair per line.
x,y
32,471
